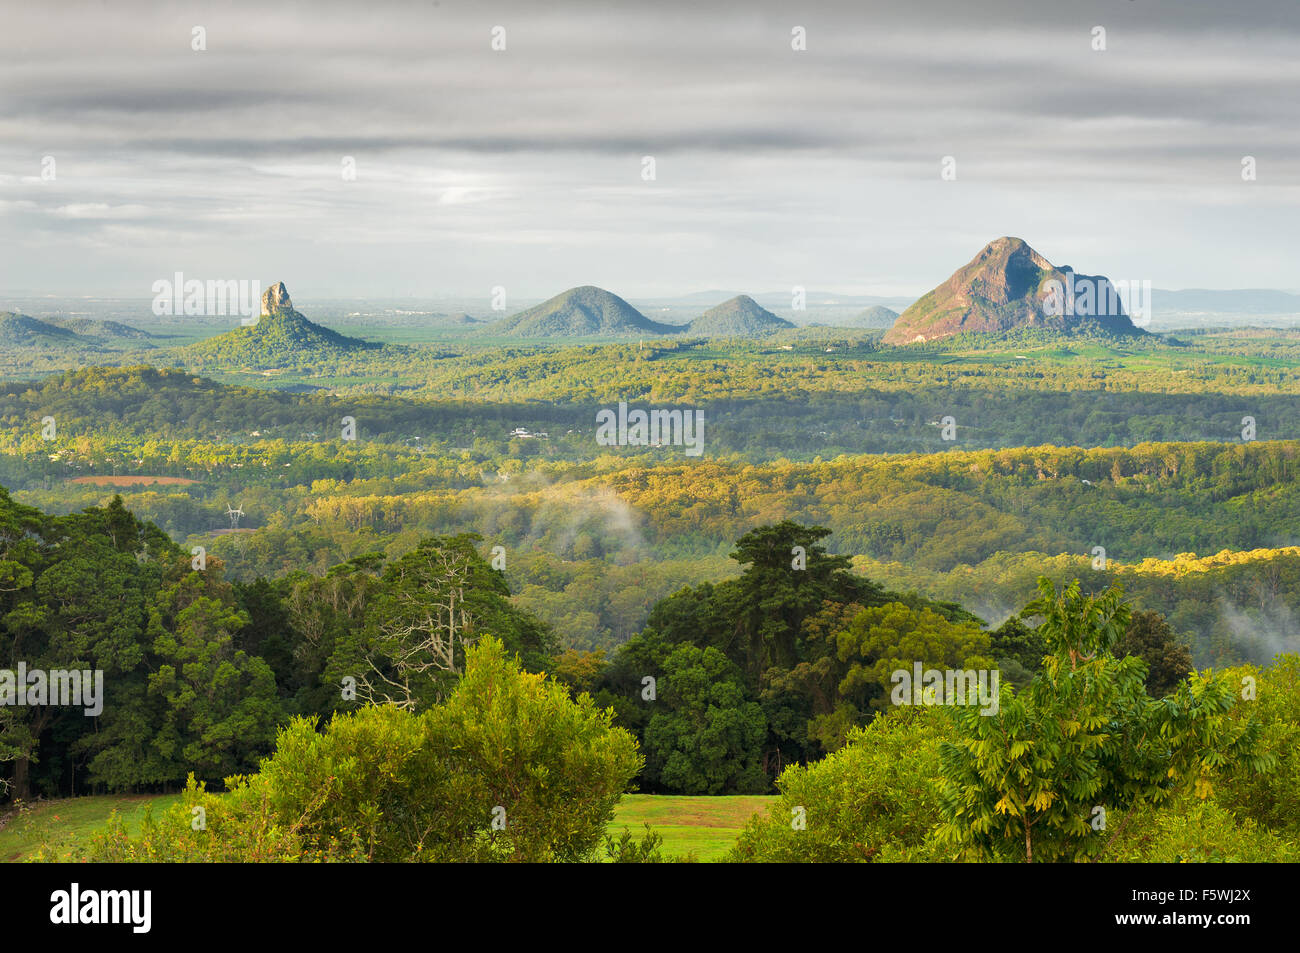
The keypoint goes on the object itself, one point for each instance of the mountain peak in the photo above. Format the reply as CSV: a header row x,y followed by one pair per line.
x,y
1007,249
740,316
585,311
275,300
288,339
1003,289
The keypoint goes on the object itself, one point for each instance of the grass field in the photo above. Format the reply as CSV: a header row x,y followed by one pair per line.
x,y
54,825
704,826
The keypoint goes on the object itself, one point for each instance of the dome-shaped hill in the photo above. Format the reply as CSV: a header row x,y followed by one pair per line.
x,y
741,316
587,311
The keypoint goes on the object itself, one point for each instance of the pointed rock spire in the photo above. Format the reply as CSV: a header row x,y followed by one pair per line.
x,y
275,300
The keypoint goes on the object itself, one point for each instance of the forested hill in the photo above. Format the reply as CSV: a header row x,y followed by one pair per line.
x,y
741,316
595,539
24,330
168,403
579,312
103,330
282,336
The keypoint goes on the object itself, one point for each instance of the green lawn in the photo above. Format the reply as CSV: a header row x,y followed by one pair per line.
x,y
706,826
56,824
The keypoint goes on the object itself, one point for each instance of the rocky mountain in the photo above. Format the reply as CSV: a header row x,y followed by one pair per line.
x,y
282,335
1007,287
741,316
579,312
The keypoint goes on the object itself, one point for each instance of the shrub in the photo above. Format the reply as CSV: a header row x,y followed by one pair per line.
x,y
1192,830
239,826
880,789
1270,797
508,768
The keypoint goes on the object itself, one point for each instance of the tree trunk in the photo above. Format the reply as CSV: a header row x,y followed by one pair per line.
x,y
22,785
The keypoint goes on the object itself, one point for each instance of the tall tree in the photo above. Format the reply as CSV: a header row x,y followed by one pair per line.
x,y
430,605
788,576
1151,638
1039,778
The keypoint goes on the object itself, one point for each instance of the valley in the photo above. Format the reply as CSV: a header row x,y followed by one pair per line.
x,y
939,474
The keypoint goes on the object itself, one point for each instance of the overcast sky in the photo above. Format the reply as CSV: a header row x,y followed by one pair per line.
x,y
523,168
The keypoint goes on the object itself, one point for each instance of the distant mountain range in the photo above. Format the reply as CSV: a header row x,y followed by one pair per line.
x,y
92,328
877,316
1241,301
282,335
589,311
1001,290
22,330
781,299
1007,287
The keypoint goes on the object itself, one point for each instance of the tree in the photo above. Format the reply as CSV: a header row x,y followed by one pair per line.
x,y
419,626
10,749
1032,780
578,669
818,677
788,576
1189,829
1018,649
516,741
885,639
1150,637
197,703
509,768
876,798
787,625
1272,696
706,734
80,603
852,652
325,613
429,605
21,556
220,706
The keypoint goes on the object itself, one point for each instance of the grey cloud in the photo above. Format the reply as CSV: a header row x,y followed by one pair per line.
x,y
768,160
